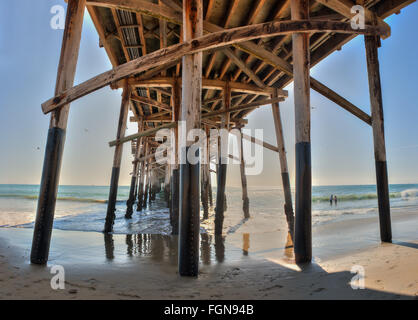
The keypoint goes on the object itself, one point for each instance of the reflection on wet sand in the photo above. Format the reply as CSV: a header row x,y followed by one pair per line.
x,y
245,243
164,248
109,246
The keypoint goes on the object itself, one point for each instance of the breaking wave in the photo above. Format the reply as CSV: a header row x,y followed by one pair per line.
x,y
355,197
33,197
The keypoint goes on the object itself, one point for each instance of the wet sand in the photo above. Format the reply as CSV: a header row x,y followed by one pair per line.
x,y
241,265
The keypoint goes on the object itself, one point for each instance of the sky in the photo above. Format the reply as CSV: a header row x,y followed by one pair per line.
x,y
342,145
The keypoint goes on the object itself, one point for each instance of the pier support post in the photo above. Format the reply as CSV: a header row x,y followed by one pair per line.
x,y
56,134
131,197
222,165
245,199
147,175
189,172
288,207
141,179
210,195
167,179
117,158
204,194
175,179
376,104
301,83
134,179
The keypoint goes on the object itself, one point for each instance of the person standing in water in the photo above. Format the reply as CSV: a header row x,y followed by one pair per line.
x,y
335,200
330,200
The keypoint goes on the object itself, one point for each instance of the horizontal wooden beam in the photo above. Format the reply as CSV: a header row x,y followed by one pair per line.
x,y
251,105
215,84
211,41
145,133
151,102
161,116
148,8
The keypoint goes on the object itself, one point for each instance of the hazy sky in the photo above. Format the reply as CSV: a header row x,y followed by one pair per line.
x,y
342,149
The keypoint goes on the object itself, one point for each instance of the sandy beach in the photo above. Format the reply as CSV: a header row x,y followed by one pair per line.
x,y
238,266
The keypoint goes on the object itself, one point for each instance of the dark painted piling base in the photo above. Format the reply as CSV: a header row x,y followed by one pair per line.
x,y
288,208
189,220
303,223
246,208
47,196
111,204
383,200
210,194
204,195
175,201
167,194
220,198
145,202
131,199
220,248
140,197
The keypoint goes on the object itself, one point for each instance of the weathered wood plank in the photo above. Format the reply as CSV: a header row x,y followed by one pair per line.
x,y
215,84
242,107
151,102
207,42
343,7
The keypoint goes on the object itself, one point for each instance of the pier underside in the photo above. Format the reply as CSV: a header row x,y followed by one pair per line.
x,y
210,64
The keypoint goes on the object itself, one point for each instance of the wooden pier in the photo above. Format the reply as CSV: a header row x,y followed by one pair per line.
x,y
209,64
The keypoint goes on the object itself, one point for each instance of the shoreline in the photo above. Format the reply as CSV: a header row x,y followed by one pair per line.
x,y
238,266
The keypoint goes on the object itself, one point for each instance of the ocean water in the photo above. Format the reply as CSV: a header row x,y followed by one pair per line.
x,y
83,208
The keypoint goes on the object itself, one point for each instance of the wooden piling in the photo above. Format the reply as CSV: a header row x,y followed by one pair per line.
x,y
222,166
301,83
132,191
288,207
210,194
142,178
167,177
190,113
154,184
56,134
117,158
245,199
147,176
376,103
175,179
204,194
